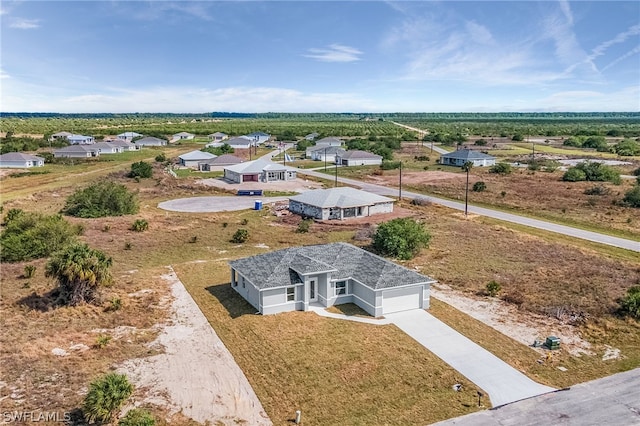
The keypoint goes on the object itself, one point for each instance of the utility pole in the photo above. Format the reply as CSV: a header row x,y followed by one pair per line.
x,y
400,187
335,185
467,167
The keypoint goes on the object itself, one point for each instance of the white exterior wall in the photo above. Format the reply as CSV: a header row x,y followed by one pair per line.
x,y
274,300
362,162
364,297
74,155
381,208
232,176
307,210
21,164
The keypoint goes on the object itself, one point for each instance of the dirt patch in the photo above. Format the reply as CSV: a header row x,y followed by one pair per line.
x,y
413,178
204,384
296,185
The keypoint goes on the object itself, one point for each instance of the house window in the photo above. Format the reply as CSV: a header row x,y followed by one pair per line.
x,y
341,288
291,294
243,283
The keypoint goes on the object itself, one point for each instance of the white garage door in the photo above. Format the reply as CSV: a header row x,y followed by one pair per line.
x,y
401,299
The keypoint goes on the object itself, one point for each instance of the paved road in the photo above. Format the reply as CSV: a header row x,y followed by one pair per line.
x,y
508,217
614,400
503,383
215,204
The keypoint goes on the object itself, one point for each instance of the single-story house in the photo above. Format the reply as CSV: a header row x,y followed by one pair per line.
x,y
311,136
76,151
125,145
259,170
219,163
18,160
259,137
59,135
150,141
329,141
191,159
80,140
458,158
339,203
329,274
241,142
107,148
183,135
128,136
318,153
218,137
358,158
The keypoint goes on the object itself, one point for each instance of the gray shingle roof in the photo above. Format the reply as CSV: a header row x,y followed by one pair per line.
x,y
150,140
466,154
282,268
77,148
350,155
19,156
224,160
329,140
339,197
329,149
258,166
197,155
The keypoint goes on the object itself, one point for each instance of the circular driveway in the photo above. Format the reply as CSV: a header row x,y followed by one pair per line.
x,y
215,204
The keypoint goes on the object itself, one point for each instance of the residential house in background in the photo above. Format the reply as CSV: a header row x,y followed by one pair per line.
x,y
329,141
259,170
329,274
107,148
259,137
18,160
125,145
80,140
358,158
339,203
76,151
459,158
311,136
183,136
241,142
58,136
219,163
150,141
326,153
218,137
128,136
191,159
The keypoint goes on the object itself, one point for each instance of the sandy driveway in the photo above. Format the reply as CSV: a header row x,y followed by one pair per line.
x,y
196,374
215,204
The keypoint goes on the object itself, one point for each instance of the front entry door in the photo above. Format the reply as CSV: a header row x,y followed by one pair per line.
x,y
313,293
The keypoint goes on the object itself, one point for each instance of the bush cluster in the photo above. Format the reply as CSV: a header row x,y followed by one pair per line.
x,y
101,199
500,168
593,172
401,238
141,170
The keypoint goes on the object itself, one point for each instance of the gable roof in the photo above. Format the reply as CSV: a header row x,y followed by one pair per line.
x,y
109,145
223,160
197,155
340,197
467,154
120,142
240,140
350,155
65,134
328,140
184,134
326,148
218,134
129,135
150,140
77,148
257,166
19,156
283,268
259,134
79,137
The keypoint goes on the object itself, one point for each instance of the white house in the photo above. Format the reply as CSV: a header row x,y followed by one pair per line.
x,y
311,136
18,160
318,153
259,137
339,203
128,136
329,274
150,141
358,158
76,151
459,158
183,135
191,159
219,163
218,137
107,148
125,145
329,141
80,140
241,142
59,135
259,170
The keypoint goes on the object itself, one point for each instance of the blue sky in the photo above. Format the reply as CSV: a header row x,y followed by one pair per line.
x,y
329,56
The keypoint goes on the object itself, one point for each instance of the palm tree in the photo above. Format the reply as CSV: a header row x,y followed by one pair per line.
x,y
79,270
467,168
106,395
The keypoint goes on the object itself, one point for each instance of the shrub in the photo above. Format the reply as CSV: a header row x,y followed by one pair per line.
x,y
597,190
632,197
101,199
390,165
115,304
128,245
636,172
593,172
140,225
480,142
29,270
32,235
501,168
240,236
106,395
401,238
479,186
574,175
244,222
79,271
141,170
106,227
493,288
161,158
137,417
517,137
102,341
303,227
422,158
630,304
627,148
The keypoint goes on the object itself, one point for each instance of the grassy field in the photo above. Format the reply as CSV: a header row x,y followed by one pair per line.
x,y
298,360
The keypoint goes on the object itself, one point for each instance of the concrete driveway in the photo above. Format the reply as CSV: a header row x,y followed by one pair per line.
x,y
503,383
215,204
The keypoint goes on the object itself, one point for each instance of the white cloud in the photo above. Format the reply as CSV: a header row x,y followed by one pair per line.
x,y
479,33
3,74
566,11
25,24
335,53
629,54
627,99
